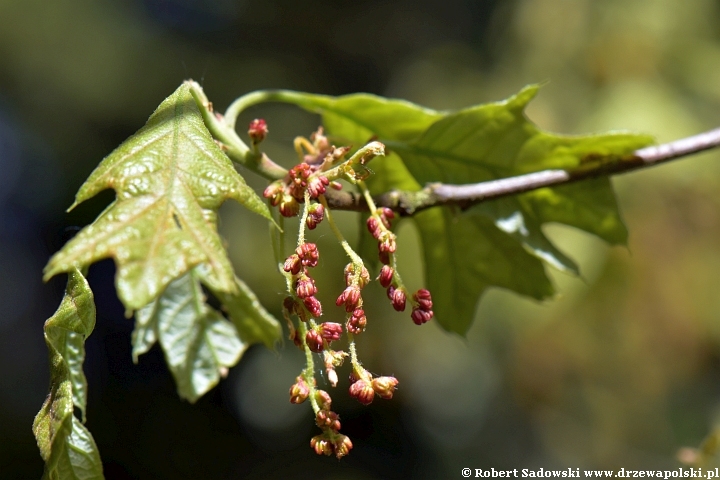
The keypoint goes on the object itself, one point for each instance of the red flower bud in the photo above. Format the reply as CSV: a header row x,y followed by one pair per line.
x,y
342,446
274,192
388,244
386,275
308,254
258,130
314,341
357,322
327,419
362,391
397,296
313,305
299,391
330,331
316,214
305,287
384,386
420,316
317,185
373,226
350,297
321,445
292,264
424,299
323,399
289,207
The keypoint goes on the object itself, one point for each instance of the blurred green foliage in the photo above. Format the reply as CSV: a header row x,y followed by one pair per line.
x,y
621,370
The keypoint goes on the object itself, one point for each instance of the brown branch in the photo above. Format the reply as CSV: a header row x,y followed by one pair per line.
x,y
434,194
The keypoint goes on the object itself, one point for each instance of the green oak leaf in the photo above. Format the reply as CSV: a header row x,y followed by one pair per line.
x,y
198,342
65,444
473,145
170,178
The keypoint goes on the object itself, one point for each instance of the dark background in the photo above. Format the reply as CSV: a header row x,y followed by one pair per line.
x,y
621,370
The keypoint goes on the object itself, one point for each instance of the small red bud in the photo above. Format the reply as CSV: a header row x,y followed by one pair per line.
x,y
299,391
388,244
317,185
258,130
308,254
330,331
342,446
384,257
386,275
305,287
424,299
397,295
420,316
373,226
289,207
323,399
313,305
314,341
327,419
336,185
292,264
384,386
316,214
274,192
350,297
321,445
357,322
362,391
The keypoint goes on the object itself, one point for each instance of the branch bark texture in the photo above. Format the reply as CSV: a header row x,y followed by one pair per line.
x,y
407,202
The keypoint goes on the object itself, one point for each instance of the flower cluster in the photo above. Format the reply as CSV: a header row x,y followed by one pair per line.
x,y
304,188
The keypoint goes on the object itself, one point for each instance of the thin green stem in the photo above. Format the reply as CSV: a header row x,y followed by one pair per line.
x,y
338,234
260,96
308,373
303,219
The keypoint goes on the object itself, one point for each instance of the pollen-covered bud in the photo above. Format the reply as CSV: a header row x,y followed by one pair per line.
x,y
336,185
314,341
357,322
386,276
327,419
350,297
330,331
398,298
420,316
299,391
362,280
423,298
321,445
333,359
384,386
342,446
289,207
317,186
362,391
387,244
258,130
313,305
373,226
386,215
274,192
316,214
308,254
305,287
323,399
292,264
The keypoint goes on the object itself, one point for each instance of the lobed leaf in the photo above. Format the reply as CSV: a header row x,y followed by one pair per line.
x,y
199,343
170,178
472,145
65,444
